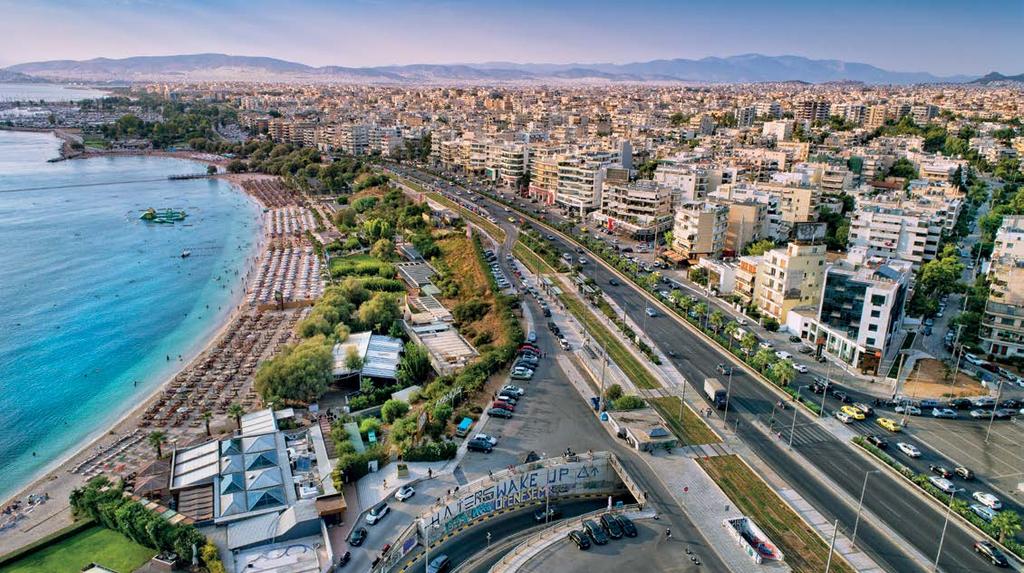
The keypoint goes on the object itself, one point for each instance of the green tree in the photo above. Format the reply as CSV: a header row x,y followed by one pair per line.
x,y
236,411
353,361
1007,523
629,402
383,249
207,416
299,373
442,413
716,320
368,425
783,372
759,248
748,343
211,169
763,359
414,367
237,166
613,393
156,439
730,330
379,312
393,410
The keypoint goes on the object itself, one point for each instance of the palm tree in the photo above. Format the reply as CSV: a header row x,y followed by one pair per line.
x,y
717,320
1007,522
685,303
763,359
783,372
730,332
207,416
156,439
748,343
236,411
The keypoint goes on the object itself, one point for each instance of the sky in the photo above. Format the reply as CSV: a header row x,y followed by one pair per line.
x,y
943,37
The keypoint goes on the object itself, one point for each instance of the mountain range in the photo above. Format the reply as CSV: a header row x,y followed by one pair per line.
x,y
733,69
996,77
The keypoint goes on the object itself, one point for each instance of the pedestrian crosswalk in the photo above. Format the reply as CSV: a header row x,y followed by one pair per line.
x,y
802,434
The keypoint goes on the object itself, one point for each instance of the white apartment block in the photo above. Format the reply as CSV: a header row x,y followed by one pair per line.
x,y
640,209
1002,326
580,181
699,229
895,233
788,278
779,130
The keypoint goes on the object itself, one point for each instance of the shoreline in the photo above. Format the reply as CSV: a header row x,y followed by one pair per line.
x,y
55,478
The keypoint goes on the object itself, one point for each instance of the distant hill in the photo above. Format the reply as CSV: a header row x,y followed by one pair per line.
x,y
7,76
994,77
734,69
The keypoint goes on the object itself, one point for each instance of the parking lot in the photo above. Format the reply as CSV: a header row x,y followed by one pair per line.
x,y
650,550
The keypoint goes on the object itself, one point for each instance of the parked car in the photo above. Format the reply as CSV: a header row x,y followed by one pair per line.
x,y
440,564
908,409
909,449
988,500
595,532
580,539
878,441
510,389
989,551
986,513
377,513
405,492
1004,413
628,528
478,445
805,350
979,414
959,404
357,536
508,399
522,375
783,355
503,406
944,485
499,413
795,339
611,526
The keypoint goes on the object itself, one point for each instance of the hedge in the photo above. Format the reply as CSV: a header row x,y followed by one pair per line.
x,y
432,452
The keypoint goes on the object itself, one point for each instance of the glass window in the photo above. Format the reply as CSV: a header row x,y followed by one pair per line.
x,y
878,299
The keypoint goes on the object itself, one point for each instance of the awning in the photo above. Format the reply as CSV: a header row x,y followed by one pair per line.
x,y
673,256
331,504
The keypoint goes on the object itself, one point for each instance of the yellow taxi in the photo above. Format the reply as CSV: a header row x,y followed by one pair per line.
x,y
891,425
852,412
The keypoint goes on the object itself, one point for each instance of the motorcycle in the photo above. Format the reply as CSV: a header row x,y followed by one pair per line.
x,y
345,559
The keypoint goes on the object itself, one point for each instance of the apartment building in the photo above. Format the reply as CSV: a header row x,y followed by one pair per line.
x,y
788,278
746,224
699,229
812,110
862,308
876,116
641,209
779,130
691,181
580,181
773,226
938,170
746,277
895,233
745,116
923,113
507,162
1002,326
544,177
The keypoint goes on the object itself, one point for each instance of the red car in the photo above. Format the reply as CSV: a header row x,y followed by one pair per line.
x,y
504,405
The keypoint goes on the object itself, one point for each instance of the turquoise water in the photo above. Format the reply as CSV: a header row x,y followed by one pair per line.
x,y
46,92
94,300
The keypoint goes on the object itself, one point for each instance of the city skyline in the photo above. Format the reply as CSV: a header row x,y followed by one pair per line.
x,y
913,36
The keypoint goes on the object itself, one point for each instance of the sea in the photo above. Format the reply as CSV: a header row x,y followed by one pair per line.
x,y
99,307
47,92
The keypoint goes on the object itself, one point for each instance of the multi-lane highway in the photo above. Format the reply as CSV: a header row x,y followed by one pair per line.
x,y
917,522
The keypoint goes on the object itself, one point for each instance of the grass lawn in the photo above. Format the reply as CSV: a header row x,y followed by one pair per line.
x,y
632,367
93,545
488,226
804,551
690,429
532,261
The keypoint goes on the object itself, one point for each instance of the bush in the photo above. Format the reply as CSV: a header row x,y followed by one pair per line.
x,y
613,393
369,425
393,410
432,452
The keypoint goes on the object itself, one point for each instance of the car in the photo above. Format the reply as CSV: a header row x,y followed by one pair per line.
x,y
989,551
628,528
959,404
766,344
503,405
595,532
613,282
891,425
499,413
723,369
940,471
563,343
963,473
357,537
507,399
909,449
582,261
944,413
552,513
877,441
580,539
487,438
477,445
908,409
405,492
611,526
795,339
783,355
377,513
800,368
840,395
986,513
511,389
440,564
868,410
852,412
1010,404
944,485
805,350
528,374
531,337
843,417
1004,413
651,312
988,500
979,414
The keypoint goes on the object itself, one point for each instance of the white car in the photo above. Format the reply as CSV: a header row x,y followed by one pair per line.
x,y
907,409
490,439
651,312
511,389
944,413
944,485
983,512
582,261
988,500
800,368
980,414
404,493
783,355
909,449
843,417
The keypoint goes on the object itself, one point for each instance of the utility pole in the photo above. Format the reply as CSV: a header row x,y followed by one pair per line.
x,y
792,429
728,394
832,546
949,506
828,385
992,418
860,505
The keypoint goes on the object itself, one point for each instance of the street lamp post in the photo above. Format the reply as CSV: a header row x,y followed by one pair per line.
x,y
860,506
832,546
992,418
792,429
828,384
728,394
949,507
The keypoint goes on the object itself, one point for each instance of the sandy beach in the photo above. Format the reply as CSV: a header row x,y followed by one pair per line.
x,y
57,481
